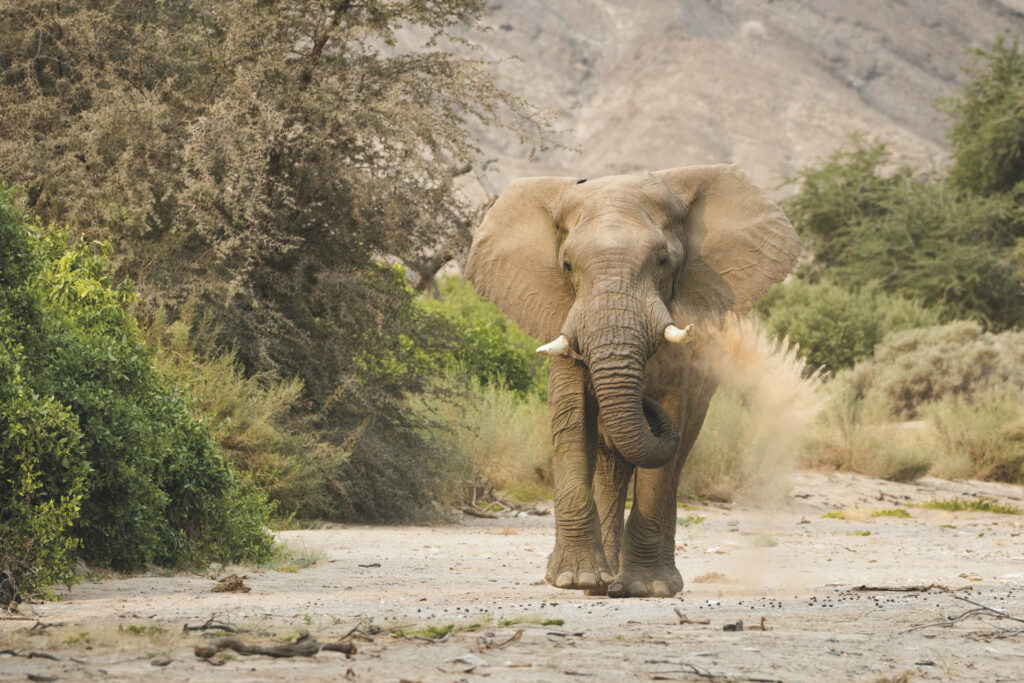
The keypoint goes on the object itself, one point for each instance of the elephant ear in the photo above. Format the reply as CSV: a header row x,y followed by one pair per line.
x,y
514,257
738,241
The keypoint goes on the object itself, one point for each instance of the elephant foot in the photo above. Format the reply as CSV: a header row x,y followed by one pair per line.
x,y
646,582
578,568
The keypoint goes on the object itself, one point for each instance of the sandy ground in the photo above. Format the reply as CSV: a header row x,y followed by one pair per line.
x,y
792,567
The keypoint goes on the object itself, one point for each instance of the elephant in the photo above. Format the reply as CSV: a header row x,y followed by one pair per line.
x,y
621,273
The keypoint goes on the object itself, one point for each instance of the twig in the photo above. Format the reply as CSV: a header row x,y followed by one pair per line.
x,y
490,643
304,646
30,655
40,626
998,612
695,670
357,631
473,512
213,625
907,589
683,619
976,610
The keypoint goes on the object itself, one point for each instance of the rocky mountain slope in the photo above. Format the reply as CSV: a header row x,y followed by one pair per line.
x,y
771,85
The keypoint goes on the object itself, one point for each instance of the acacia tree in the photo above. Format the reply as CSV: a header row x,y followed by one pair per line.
x,y
257,158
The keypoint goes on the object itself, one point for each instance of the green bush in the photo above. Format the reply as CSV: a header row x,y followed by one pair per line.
x,y
835,327
490,346
96,441
907,232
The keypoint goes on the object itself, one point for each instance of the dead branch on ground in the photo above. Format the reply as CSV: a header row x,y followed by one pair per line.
x,y
683,619
213,625
304,646
30,655
920,588
977,610
492,643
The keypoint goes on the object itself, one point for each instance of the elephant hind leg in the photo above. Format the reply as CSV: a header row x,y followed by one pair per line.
x,y
612,475
611,486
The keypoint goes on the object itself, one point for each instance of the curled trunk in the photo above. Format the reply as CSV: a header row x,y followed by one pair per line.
x,y
637,427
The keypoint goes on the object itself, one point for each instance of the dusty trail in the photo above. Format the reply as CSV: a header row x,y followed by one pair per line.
x,y
738,563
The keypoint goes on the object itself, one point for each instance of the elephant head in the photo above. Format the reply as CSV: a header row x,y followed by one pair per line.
x,y
607,268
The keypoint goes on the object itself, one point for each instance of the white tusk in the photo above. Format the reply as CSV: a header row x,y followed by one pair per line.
x,y
559,347
679,336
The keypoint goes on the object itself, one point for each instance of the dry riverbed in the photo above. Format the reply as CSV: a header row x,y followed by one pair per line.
x,y
791,569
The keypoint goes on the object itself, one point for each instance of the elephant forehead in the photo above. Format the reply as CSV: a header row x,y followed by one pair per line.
x,y
630,198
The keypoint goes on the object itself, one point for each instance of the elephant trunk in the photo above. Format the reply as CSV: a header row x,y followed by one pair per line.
x,y
636,426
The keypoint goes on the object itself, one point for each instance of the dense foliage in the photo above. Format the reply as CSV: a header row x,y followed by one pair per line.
x,y
491,347
836,326
102,457
912,236
257,160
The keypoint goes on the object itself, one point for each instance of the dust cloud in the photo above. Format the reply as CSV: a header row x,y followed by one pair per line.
x,y
765,407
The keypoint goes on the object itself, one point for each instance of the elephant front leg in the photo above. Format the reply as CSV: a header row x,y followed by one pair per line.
x,y
648,547
578,559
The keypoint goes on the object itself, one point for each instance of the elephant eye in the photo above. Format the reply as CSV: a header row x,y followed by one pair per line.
x,y
662,259
567,266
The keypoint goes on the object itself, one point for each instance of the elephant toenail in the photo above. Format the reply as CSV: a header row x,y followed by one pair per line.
x,y
616,590
587,579
659,589
606,578
638,589
564,580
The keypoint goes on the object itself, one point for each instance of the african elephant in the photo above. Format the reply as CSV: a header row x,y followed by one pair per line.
x,y
611,269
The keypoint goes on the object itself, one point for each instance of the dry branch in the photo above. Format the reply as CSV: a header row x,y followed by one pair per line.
x,y
212,625
489,643
473,512
683,619
304,646
920,588
978,610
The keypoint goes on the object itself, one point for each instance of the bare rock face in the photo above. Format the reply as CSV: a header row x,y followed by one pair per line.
x,y
772,85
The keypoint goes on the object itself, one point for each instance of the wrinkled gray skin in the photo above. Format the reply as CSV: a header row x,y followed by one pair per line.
x,y
610,263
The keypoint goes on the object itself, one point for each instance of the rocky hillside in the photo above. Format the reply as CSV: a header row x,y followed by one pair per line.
x,y
771,85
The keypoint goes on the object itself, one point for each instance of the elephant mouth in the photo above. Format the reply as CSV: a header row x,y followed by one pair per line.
x,y
632,424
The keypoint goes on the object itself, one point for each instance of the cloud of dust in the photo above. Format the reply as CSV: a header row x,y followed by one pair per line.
x,y
764,409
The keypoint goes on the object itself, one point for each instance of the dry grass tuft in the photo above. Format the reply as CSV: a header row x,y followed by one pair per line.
x,y
501,436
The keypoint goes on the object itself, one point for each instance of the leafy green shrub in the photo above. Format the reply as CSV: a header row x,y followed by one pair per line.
x,y
907,232
491,347
835,327
913,367
96,441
